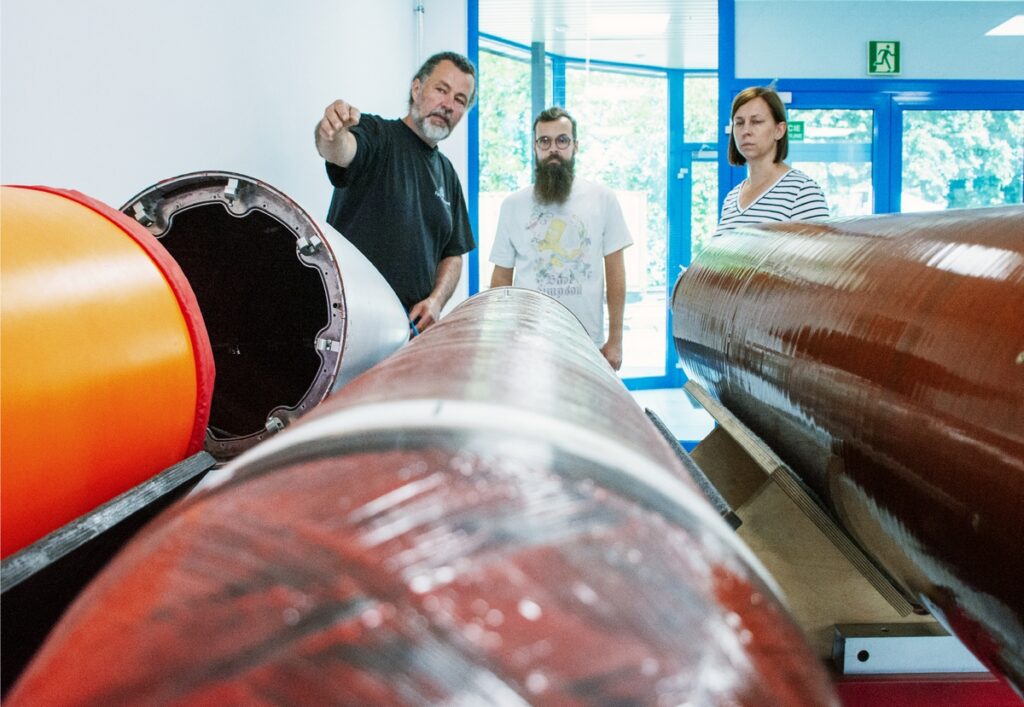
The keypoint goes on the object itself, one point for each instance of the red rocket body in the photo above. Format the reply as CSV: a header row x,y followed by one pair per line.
x,y
486,517
883,359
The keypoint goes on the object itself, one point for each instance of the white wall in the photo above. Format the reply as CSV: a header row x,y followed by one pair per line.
x,y
445,28
110,96
813,39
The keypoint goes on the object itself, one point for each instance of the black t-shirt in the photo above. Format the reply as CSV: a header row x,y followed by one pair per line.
x,y
400,203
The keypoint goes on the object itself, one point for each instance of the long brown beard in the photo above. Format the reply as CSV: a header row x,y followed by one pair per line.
x,y
552,179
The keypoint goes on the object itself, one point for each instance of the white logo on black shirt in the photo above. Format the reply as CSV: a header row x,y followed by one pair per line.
x,y
440,195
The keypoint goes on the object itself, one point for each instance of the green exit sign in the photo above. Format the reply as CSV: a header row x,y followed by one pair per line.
x,y
795,128
883,58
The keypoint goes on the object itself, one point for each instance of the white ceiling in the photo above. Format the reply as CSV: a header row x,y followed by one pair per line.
x,y
578,28
574,28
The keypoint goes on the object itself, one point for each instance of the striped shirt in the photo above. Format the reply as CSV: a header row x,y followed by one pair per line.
x,y
795,197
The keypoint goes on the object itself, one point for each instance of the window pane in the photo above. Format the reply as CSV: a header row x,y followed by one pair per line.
x,y
836,152
956,159
700,108
629,155
704,209
506,156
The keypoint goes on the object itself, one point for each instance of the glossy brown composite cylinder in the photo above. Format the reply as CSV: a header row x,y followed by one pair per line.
x,y
883,358
484,518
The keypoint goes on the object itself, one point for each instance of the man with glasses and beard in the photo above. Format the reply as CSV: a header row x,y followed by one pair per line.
x,y
396,197
564,236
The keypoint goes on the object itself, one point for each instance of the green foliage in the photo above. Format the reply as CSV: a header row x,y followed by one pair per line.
x,y
704,209
700,113
963,158
506,155
700,109
623,129
847,185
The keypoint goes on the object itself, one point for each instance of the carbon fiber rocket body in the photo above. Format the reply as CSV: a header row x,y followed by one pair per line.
x,y
883,359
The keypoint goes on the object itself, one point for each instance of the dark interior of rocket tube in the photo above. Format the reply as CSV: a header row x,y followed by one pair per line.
x,y
262,308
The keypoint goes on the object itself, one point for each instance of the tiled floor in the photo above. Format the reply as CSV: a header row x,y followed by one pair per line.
x,y
683,416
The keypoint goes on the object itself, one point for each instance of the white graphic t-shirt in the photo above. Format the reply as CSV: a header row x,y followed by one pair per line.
x,y
559,249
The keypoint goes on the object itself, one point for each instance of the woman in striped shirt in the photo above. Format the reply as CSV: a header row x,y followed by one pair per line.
x,y
772,190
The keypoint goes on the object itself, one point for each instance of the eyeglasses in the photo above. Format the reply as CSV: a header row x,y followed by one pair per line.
x,y
561,142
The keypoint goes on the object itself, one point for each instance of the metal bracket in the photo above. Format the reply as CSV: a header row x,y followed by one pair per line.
x,y
328,345
231,190
861,649
309,246
141,215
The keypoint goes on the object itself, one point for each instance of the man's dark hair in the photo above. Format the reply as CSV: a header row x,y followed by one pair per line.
x,y
550,115
461,63
778,110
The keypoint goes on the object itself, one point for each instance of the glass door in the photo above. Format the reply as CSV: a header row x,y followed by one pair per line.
x,y
833,147
506,142
700,135
629,155
831,139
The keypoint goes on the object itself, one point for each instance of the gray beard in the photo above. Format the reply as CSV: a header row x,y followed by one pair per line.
x,y
436,133
552,181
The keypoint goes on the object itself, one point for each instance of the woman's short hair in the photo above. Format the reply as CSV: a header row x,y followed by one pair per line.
x,y
778,110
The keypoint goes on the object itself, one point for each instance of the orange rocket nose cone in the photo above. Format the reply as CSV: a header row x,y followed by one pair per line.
x,y
106,370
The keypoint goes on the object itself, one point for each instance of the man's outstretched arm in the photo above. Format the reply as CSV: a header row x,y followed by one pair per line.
x,y
334,142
